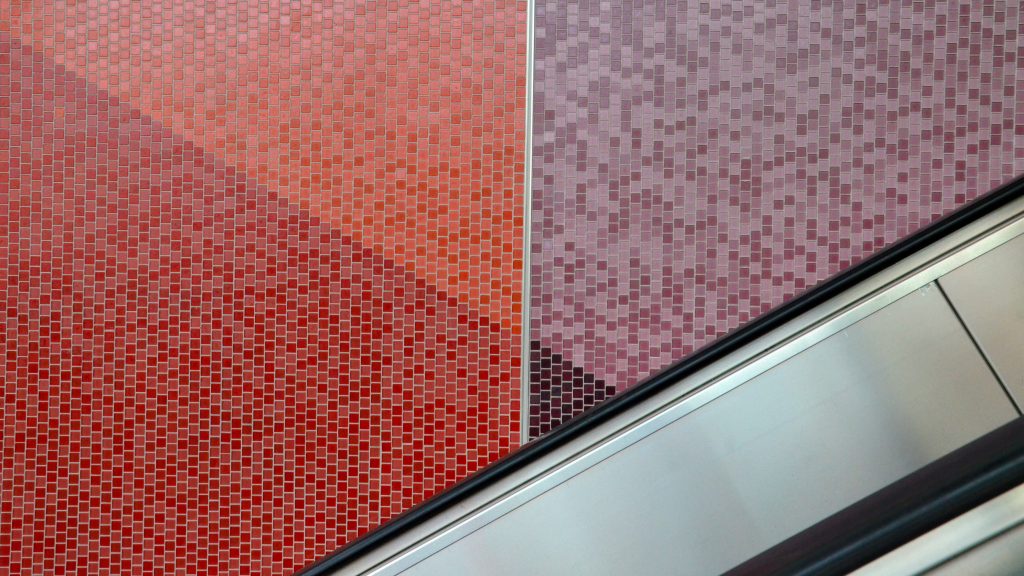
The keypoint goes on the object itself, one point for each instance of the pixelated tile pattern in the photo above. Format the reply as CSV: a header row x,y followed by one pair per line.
x,y
696,163
204,371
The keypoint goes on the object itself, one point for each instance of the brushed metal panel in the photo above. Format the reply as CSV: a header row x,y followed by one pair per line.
x,y
1001,556
799,442
985,540
988,292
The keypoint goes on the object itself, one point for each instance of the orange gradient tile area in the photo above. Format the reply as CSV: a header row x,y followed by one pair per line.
x,y
401,123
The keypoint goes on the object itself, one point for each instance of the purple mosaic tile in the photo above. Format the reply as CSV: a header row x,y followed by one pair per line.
x,y
697,163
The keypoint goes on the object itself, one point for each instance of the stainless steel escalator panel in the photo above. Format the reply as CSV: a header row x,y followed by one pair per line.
x,y
986,540
801,441
988,293
1001,556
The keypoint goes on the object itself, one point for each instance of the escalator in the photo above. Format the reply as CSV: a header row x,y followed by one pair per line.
x,y
962,514
750,454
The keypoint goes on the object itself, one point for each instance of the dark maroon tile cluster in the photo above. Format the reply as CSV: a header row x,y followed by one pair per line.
x,y
696,163
568,389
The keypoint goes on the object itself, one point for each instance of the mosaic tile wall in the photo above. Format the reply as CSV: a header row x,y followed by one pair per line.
x,y
696,163
260,269
260,261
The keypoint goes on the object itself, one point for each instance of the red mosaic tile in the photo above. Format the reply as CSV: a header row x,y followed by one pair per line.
x,y
258,274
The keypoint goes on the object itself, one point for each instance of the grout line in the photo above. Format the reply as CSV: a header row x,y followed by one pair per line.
x,y
938,283
524,393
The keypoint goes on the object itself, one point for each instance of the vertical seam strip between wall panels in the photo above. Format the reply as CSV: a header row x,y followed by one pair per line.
x,y
524,388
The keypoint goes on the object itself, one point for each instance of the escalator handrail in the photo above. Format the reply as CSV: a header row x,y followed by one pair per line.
x,y
911,507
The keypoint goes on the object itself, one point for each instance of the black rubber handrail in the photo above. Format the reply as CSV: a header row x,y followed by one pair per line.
x,y
895,515
668,377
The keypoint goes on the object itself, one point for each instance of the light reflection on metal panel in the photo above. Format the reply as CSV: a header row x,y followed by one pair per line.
x,y
988,292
